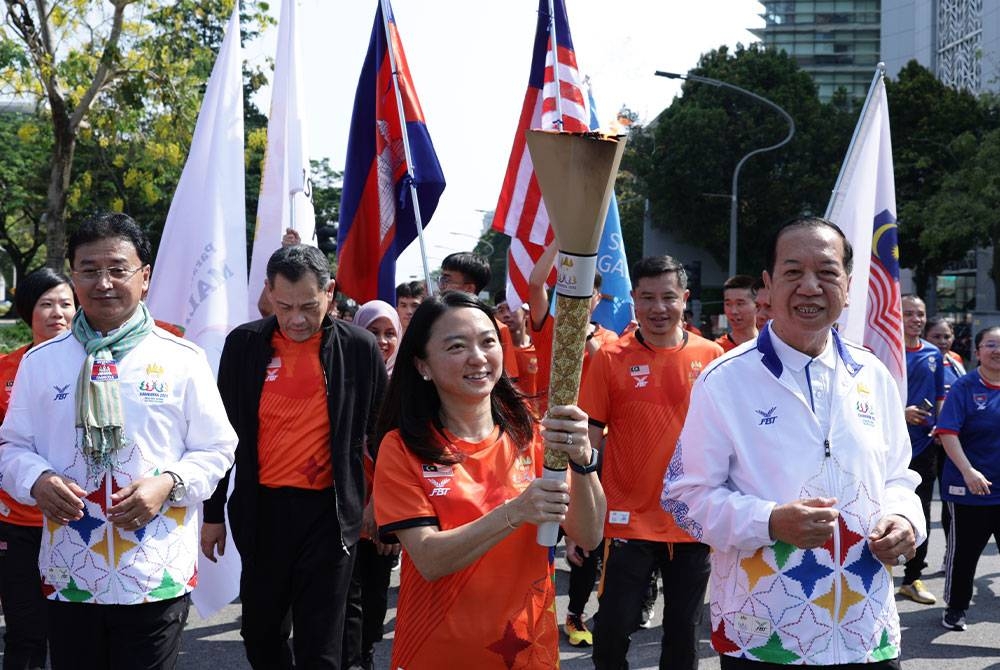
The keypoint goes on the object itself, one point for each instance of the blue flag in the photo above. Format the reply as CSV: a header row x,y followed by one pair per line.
x,y
615,309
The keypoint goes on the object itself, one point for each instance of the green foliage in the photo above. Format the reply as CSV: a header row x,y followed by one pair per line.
x,y
137,93
629,190
684,161
13,336
326,187
23,180
935,130
962,212
499,244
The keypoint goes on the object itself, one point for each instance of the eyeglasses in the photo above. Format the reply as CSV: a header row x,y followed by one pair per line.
x,y
990,345
444,281
115,274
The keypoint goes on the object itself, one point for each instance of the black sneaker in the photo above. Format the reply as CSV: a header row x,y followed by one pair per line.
x,y
953,619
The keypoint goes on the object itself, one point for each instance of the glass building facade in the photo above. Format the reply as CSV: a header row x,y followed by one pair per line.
x,y
835,41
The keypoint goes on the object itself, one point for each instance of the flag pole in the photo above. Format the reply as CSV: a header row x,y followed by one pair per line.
x,y
406,144
555,63
879,74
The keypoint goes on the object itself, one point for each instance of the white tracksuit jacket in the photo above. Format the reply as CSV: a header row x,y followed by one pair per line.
x,y
174,420
751,441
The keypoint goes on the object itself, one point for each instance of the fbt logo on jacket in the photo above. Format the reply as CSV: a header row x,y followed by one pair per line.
x,y
767,418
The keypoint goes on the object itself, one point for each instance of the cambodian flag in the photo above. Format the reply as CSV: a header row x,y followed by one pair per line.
x,y
377,219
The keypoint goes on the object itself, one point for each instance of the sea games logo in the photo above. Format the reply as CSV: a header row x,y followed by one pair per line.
x,y
153,388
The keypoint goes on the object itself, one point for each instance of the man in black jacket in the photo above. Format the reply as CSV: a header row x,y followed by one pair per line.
x,y
302,392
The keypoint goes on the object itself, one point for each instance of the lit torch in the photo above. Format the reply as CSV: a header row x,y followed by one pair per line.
x,y
576,175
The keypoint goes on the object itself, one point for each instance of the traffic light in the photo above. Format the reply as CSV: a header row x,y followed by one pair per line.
x,y
326,238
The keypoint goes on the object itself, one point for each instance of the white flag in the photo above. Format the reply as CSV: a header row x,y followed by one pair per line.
x,y
285,195
199,280
864,206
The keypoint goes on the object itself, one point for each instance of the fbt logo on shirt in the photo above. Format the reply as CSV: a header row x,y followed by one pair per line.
x,y
438,476
640,373
61,392
272,369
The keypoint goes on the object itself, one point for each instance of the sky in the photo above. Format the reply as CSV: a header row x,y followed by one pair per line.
x,y
469,62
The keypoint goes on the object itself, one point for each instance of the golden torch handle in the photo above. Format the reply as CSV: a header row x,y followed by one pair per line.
x,y
568,342
576,174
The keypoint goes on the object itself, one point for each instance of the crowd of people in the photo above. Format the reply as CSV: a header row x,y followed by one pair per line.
x,y
775,469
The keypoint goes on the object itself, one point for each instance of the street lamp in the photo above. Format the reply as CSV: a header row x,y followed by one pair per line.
x,y
479,241
734,191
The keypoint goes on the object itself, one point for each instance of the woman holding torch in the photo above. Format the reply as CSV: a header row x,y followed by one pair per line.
x,y
458,482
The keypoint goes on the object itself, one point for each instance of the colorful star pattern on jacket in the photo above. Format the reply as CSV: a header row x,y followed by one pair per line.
x,y
91,560
796,601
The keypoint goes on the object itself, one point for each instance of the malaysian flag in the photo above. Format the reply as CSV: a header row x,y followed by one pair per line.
x,y
377,213
864,206
520,212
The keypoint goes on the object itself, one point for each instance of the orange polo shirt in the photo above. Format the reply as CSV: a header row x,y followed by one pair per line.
x,y
499,612
293,438
640,393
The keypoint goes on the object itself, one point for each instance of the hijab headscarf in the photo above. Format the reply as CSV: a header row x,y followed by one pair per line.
x,y
377,309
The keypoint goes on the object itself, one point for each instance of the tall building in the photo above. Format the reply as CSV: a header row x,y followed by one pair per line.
x,y
835,41
958,40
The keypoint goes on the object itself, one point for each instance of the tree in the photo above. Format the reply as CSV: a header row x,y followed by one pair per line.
x,y
23,179
326,189
629,186
964,212
934,127
70,83
690,151
119,85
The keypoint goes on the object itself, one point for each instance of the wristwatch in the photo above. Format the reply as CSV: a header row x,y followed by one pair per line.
x,y
178,492
590,467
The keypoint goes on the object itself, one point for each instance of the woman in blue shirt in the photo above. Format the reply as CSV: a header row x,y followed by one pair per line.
x,y
968,430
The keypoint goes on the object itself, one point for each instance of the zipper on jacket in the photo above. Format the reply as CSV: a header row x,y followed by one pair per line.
x,y
110,533
336,503
838,568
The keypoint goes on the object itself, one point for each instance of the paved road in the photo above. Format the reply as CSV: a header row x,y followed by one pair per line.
x,y
215,644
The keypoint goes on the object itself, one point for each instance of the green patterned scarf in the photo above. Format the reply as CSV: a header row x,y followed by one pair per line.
x,y
99,418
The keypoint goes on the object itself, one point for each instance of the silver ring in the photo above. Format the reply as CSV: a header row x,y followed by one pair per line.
x,y
901,559
137,522
569,438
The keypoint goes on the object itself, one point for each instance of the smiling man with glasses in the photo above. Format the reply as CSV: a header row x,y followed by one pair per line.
x,y
116,431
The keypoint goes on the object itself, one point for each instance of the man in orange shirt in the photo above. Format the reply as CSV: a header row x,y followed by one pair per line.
x,y
516,321
738,302
301,390
762,300
639,388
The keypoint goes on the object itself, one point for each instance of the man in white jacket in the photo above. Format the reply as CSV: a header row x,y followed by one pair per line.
x,y
116,431
792,465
